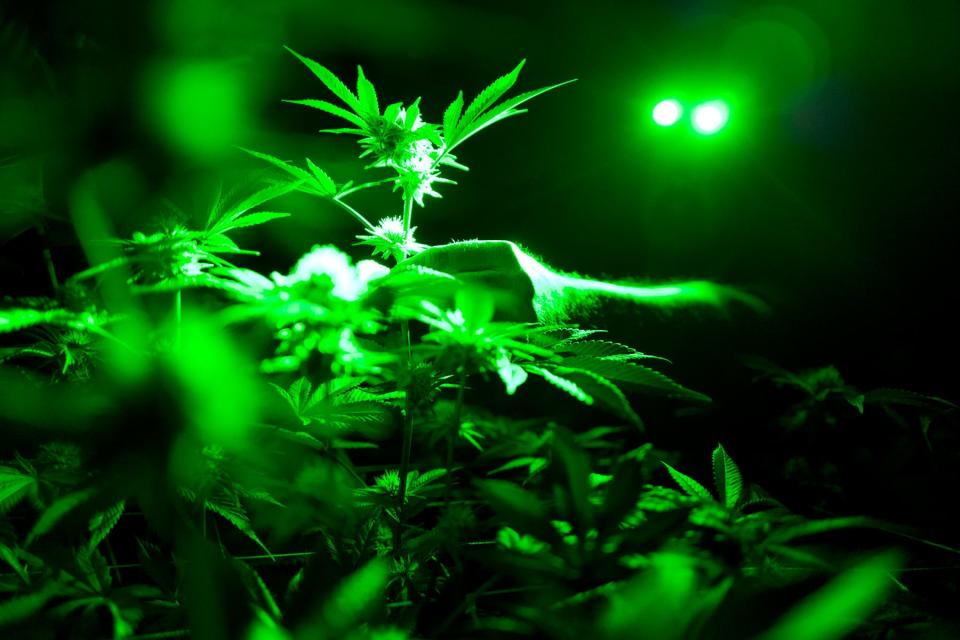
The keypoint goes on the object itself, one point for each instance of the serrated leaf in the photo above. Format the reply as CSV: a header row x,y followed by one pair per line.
x,y
603,391
325,182
605,349
254,200
103,522
332,109
367,95
561,383
221,244
230,509
336,420
317,183
491,94
293,170
331,81
15,485
451,117
727,478
634,374
416,481
254,219
688,484
500,112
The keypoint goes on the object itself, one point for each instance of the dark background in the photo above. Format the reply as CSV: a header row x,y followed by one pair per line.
x,y
832,193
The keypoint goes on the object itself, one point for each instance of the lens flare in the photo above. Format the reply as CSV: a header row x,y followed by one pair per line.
x,y
711,117
667,113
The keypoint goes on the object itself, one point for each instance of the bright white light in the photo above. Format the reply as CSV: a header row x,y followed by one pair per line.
x,y
710,117
667,113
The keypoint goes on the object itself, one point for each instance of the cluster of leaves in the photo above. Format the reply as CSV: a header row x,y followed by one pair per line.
x,y
357,480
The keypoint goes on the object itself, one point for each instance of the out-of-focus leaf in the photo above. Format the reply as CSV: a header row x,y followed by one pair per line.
x,y
841,606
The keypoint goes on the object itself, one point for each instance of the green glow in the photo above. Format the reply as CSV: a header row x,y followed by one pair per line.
x,y
198,107
711,117
667,113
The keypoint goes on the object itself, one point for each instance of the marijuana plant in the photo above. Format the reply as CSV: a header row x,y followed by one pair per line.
x,y
366,465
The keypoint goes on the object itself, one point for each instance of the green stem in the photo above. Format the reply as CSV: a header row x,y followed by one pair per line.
x,y
407,442
454,431
48,256
356,214
178,315
407,217
365,185
408,407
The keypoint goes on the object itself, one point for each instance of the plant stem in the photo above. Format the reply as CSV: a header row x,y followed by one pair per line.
x,y
48,256
408,399
407,217
178,315
454,431
356,214
365,185
407,440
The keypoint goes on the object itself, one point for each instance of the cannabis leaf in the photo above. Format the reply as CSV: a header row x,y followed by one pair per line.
x,y
727,478
314,181
481,113
331,81
692,487
15,485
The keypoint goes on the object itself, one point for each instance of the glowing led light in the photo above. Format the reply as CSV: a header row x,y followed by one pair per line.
x,y
667,113
710,117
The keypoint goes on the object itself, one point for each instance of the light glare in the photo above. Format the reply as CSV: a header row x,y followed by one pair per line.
x,y
667,113
710,117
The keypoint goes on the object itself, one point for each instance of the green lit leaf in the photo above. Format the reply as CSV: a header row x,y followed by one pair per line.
x,y
688,484
326,183
604,349
229,508
367,95
104,521
15,485
562,383
332,109
633,374
727,478
602,390
331,81
257,218
294,171
496,114
451,117
491,94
